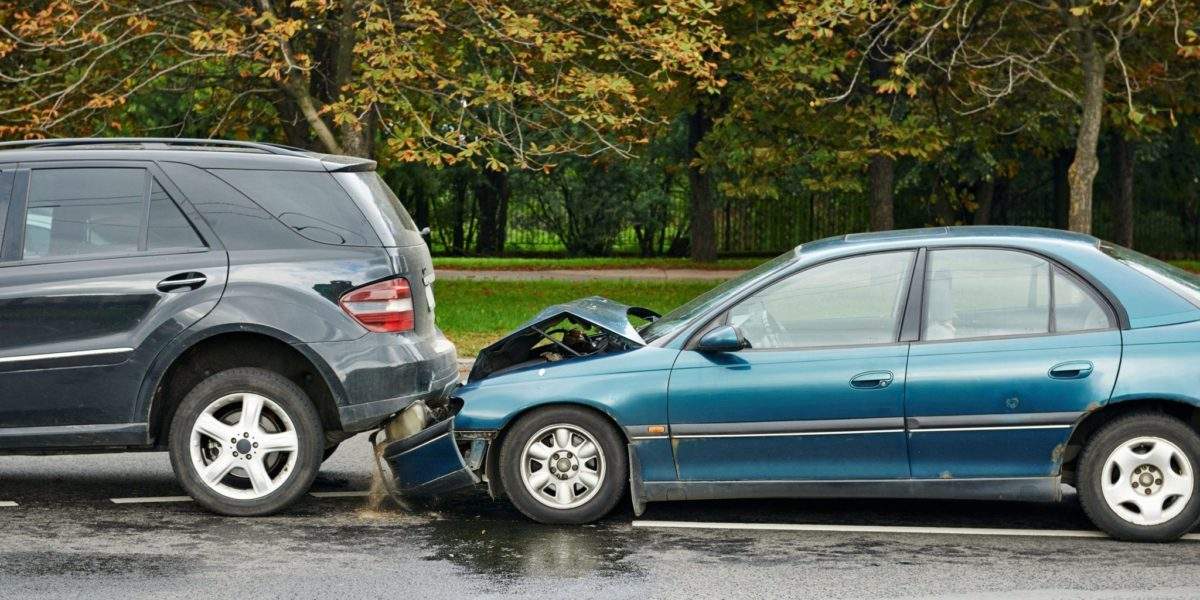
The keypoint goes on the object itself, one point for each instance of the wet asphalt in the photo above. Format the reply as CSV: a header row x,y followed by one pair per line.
x,y
66,539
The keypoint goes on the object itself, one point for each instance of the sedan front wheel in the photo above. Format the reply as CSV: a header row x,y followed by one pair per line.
x,y
563,465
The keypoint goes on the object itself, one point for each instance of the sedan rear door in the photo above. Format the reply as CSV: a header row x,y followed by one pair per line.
x,y
1014,348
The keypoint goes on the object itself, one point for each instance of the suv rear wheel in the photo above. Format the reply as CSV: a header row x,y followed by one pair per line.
x,y
246,442
563,465
1138,479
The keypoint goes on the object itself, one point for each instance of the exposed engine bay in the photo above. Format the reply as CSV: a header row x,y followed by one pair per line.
x,y
563,332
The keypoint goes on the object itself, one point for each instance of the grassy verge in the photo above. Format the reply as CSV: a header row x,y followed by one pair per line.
x,y
476,313
1187,265
543,264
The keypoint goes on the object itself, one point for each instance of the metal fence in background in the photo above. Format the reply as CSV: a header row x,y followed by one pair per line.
x,y
769,226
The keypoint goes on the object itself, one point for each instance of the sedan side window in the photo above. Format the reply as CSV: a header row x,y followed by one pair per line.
x,y
852,301
974,293
1076,308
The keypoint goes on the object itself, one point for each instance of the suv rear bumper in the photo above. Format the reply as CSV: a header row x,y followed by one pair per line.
x,y
381,374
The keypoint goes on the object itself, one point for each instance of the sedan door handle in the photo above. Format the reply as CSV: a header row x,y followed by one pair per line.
x,y
872,380
1076,369
182,282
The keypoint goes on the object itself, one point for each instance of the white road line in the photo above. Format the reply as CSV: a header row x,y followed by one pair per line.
x,y
355,494
1060,533
7,504
151,500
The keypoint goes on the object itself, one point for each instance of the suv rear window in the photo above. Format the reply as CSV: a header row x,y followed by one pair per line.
x,y
310,203
381,206
1177,280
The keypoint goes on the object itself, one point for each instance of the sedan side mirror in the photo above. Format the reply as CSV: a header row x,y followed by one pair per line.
x,y
725,338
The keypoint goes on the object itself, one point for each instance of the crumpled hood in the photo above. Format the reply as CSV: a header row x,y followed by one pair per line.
x,y
600,312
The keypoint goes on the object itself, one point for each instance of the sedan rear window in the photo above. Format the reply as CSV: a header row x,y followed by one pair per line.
x,y
1177,280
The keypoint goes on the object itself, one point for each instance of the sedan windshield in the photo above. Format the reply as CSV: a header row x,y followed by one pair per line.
x,y
675,319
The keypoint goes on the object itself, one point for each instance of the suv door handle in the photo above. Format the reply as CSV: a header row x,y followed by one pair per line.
x,y
872,380
1076,369
182,282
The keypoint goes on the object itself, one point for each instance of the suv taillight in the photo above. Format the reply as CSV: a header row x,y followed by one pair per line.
x,y
382,307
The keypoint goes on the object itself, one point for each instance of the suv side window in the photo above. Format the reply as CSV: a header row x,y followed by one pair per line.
x,y
75,212
851,301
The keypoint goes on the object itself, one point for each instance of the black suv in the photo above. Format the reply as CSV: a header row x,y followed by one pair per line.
x,y
244,306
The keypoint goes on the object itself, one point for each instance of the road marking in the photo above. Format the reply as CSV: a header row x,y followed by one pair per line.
x,y
7,504
352,494
151,500
1061,533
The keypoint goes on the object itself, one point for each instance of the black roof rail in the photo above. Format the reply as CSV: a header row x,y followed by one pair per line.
x,y
149,143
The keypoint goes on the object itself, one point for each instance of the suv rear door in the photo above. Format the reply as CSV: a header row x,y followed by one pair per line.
x,y
101,265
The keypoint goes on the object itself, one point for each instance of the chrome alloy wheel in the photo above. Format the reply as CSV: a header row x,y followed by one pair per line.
x,y
1147,481
244,446
562,466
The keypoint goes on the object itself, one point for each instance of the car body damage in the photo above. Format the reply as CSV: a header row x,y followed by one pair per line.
x,y
573,329
420,447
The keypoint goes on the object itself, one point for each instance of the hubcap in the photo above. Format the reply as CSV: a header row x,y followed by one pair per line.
x,y
562,466
1147,481
244,446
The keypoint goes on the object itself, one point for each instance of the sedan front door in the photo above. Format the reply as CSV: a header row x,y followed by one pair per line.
x,y
819,394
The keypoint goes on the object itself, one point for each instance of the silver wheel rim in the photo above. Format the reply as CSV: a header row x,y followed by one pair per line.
x,y
562,466
244,446
1147,481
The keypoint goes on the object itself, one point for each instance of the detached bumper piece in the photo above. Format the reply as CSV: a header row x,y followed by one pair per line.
x,y
429,463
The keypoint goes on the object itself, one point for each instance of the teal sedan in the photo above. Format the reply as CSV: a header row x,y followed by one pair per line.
x,y
947,363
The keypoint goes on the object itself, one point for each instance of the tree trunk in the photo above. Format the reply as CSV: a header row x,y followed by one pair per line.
x,y
491,195
1083,170
883,178
459,243
984,192
1062,187
703,226
1123,208
882,169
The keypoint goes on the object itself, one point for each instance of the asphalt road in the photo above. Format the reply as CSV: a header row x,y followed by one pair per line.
x,y
65,538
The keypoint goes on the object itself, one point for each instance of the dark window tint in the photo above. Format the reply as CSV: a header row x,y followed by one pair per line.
x,y
311,203
379,203
75,212
168,227
845,302
238,222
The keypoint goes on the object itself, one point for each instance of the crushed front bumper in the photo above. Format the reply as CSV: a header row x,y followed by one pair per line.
x,y
430,462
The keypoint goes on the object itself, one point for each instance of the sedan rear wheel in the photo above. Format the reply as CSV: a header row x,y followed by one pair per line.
x,y
1138,478
246,442
563,465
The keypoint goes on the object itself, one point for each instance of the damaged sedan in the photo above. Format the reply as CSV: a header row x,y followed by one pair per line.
x,y
949,363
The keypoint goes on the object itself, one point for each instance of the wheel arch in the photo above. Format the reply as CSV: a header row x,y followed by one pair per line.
x,y
492,460
188,361
1184,409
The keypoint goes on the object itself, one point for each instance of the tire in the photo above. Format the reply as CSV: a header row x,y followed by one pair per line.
x,y
246,478
1133,454
586,501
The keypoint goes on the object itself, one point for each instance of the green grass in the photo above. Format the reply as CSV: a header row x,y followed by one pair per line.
x,y
1188,265
476,313
542,264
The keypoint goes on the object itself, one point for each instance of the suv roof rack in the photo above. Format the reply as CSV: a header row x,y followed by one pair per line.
x,y
157,143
